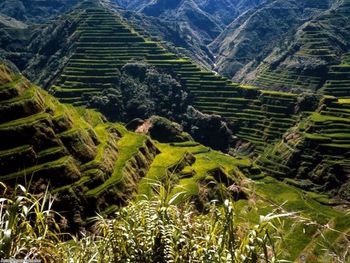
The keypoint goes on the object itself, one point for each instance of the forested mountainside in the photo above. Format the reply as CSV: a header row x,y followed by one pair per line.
x,y
123,115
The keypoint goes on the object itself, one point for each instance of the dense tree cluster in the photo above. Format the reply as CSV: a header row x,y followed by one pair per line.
x,y
208,129
141,91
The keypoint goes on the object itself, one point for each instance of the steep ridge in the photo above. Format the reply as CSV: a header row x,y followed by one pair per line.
x,y
222,12
188,15
177,28
132,4
225,11
106,43
306,63
45,143
173,37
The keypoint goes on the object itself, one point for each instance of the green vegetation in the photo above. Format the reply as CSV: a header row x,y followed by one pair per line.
x,y
315,58
107,43
337,83
142,231
129,146
316,152
75,152
295,147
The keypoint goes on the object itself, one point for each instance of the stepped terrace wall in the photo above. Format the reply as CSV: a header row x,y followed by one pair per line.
x,y
315,154
338,81
52,145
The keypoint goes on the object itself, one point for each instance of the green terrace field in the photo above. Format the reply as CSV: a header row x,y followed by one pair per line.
x,y
77,152
338,82
186,169
188,165
106,42
319,226
315,154
268,78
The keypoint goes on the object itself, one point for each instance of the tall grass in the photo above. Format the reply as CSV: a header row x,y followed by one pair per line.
x,y
28,229
147,231
144,231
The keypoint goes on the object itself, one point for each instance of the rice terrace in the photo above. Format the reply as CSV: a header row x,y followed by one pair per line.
x,y
175,131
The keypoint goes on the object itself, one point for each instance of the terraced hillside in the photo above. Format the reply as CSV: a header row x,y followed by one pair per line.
x,y
315,154
106,43
309,62
338,80
92,165
45,143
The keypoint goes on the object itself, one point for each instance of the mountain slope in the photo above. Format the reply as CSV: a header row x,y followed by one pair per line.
x,y
172,36
187,15
14,36
305,63
107,43
172,24
252,36
225,11
315,154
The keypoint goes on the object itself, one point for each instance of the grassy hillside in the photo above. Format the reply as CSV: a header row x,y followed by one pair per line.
x,y
93,165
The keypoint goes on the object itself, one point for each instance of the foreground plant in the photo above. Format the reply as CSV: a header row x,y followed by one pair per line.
x,y
28,229
147,231
144,231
